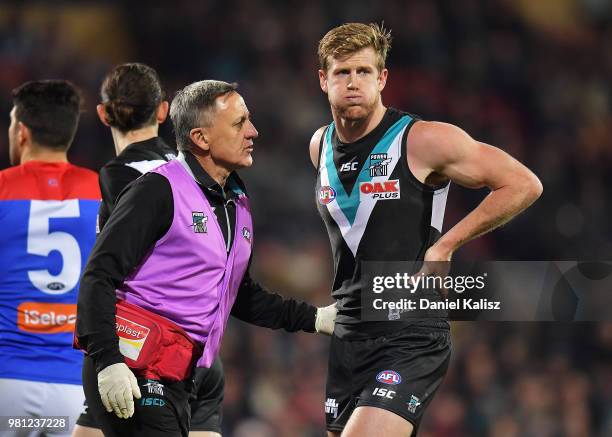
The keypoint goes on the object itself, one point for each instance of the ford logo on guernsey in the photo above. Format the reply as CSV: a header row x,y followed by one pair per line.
x,y
326,194
389,377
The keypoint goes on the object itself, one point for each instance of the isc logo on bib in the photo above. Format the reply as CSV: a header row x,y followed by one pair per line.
x,y
386,190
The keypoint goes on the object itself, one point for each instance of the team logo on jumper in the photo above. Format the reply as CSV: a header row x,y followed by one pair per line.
x,y
389,377
154,387
378,164
331,407
387,190
413,404
326,195
132,337
199,222
246,234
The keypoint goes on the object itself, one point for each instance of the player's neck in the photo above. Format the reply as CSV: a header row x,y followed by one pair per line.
x,y
122,140
350,131
37,153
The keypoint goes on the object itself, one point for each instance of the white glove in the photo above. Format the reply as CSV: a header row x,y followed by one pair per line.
x,y
118,387
326,319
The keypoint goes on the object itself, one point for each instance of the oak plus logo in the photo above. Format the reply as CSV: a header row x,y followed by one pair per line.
x,y
387,190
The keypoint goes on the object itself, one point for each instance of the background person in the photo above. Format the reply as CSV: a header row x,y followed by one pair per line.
x,y
48,212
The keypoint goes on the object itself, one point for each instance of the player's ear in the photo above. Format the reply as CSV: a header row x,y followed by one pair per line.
x,y
162,112
382,79
24,134
102,115
200,137
323,80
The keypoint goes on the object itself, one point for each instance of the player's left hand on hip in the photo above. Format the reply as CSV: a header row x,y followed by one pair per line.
x,y
326,319
436,263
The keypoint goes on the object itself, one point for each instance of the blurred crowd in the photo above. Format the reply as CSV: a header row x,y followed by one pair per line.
x,y
530,77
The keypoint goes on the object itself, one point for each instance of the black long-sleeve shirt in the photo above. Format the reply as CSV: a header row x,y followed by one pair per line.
x,y
142,215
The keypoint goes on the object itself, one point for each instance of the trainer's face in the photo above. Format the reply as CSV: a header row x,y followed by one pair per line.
x,y
353,84
230,137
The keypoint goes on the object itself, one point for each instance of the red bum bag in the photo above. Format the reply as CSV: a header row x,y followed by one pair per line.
x,y
153,346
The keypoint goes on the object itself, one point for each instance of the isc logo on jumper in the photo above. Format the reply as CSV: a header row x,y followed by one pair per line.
x,y
390,377
132,337
387,190
326,195
349,166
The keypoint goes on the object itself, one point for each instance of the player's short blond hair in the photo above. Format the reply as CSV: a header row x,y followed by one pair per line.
x,y
349,38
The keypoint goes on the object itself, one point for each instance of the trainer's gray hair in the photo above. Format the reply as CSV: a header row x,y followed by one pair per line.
x,y
194,106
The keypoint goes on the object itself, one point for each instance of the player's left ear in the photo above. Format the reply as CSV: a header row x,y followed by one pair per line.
x,y
102,115
382,79
162,112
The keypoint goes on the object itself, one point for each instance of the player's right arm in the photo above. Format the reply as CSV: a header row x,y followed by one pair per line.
x,y
315,143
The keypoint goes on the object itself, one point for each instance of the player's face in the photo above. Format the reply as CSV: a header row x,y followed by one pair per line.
x,y
353,84
232,133
14,154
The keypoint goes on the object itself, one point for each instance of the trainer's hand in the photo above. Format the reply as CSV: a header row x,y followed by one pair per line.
x,y
326,319
118,388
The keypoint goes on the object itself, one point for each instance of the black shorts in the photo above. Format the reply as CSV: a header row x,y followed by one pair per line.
x,y
204,401
207,398
399,372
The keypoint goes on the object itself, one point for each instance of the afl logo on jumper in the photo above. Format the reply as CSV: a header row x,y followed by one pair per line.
x,y
390,377
326,195
380,190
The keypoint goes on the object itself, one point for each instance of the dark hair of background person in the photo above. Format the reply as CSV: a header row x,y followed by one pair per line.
x,y
131,94
50,109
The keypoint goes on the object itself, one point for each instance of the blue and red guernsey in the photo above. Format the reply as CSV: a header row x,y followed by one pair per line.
x,y
48,216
